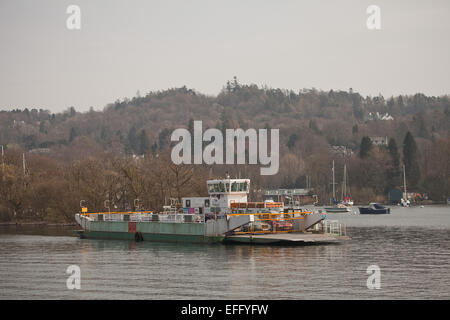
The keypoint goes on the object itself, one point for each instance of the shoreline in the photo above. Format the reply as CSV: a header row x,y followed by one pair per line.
x,y
46,224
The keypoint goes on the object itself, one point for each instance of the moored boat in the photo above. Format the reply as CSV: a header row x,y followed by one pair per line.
x,y
374,208
345,205
340,208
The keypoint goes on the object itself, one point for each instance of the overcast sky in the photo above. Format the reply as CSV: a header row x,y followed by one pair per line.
x,y
126,46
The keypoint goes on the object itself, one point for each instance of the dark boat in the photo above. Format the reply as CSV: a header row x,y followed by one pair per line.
x,y
374,208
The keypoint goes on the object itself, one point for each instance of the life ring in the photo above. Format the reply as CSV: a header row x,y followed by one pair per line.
x,y
138,237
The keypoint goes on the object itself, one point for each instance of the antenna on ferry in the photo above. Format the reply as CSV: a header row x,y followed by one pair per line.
x,y
24,164
106,204
3,163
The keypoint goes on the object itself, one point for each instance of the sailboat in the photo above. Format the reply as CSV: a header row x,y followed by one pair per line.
x,y
346,199
404,202
338,207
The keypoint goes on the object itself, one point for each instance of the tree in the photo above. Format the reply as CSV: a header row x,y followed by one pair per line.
x,y
313,126
164,138
191,126
365,147
132,144
292,140
73,134
393,170
144,143
72,111
422,126
410,159
42,127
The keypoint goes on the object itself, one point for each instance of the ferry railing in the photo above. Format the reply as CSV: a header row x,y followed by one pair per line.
x,y
332,227
272,222
147,216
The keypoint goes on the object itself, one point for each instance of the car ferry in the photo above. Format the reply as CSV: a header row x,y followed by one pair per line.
x,y
224,216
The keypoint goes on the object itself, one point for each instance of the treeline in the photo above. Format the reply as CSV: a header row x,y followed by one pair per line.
x,y
42,189
316,127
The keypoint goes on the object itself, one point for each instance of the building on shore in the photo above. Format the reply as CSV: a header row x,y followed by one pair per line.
x,y
379,141
295,196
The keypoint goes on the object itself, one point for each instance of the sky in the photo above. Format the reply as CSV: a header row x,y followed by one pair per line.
x,y
127,46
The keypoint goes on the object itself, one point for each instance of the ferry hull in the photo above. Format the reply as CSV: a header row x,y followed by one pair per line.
x,y
291,239
210,232
173,238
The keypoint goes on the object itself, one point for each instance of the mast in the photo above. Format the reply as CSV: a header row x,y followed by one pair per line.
x,y
334,191
344,187
3,163
24,164
404,180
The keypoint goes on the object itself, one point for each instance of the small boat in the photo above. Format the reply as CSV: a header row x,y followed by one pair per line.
x,y
340,208
374,208
405,203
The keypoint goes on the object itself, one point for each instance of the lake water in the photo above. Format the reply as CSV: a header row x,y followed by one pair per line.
x,y
411,246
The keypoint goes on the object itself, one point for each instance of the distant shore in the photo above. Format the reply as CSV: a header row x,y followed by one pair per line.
x,y
40,223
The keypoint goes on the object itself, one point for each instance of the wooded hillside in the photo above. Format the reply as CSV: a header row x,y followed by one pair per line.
x,y
94,155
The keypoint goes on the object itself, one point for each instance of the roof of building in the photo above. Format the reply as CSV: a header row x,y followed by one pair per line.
x,y
287,192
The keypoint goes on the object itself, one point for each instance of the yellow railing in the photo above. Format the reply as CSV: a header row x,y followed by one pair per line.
x,y
272,221
115,212
269,213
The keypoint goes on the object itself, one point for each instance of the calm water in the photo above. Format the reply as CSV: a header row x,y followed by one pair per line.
x,y
411,246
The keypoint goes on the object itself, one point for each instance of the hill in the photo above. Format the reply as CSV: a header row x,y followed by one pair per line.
x,y
102,148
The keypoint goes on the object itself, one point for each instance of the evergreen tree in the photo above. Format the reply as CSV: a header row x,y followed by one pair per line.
x,y
72,111
422,127
313,126
292,140
154,147
393,171
400,102
365,147
42,127
73,134
132,140
191,126
163,138
411,161
144,143
104,134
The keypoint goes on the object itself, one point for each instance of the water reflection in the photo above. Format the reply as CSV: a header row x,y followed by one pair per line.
x,y
413,262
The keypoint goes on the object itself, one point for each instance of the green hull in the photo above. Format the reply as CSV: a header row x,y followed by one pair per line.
x,y
149,237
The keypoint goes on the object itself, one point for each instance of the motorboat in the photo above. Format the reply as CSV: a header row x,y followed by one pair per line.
x,y
374,208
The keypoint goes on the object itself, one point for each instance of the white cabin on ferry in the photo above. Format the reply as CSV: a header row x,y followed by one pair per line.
x,y
222,193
